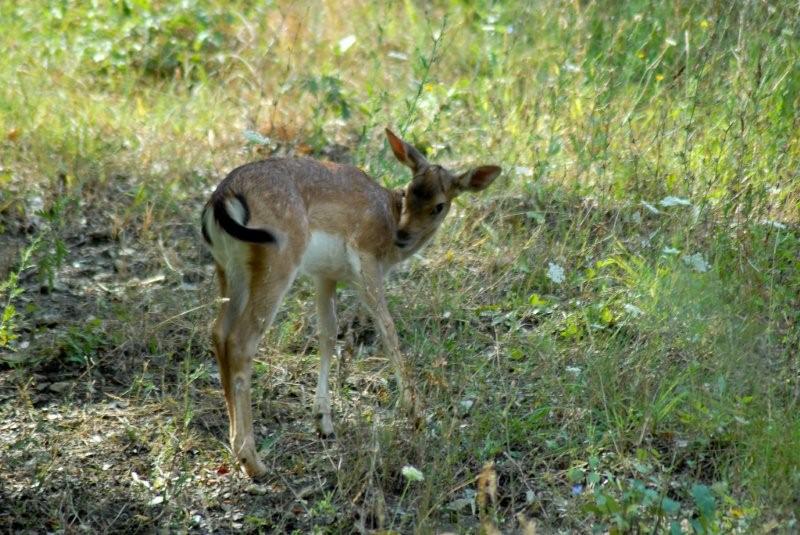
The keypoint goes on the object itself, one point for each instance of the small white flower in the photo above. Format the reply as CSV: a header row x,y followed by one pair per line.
x,y
346,42
255,137
523,171
555,273
674,201
696,262
652,209
633,310
774,224
574,370
36,204
412,474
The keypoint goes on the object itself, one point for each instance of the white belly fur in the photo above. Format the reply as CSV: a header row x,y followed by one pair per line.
x,y
329,256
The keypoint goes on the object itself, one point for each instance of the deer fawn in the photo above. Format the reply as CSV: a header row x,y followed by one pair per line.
x,y
269,220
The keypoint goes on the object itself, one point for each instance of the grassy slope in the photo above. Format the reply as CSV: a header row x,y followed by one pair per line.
x,y
642,375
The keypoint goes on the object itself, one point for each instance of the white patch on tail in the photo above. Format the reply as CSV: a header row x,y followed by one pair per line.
x,y
236,210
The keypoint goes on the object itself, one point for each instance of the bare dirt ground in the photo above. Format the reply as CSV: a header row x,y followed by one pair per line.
x,y
113,418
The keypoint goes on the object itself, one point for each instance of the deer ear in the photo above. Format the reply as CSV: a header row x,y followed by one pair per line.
x,y
479,178
405,153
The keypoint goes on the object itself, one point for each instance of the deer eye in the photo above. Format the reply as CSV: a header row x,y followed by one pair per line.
x,y
438,209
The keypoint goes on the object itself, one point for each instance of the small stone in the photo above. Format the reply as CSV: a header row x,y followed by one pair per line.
x,y
60,386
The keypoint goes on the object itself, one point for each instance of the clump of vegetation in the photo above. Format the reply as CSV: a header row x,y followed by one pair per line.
x,y
607,341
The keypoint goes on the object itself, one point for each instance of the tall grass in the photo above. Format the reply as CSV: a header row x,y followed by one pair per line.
x,y
650,151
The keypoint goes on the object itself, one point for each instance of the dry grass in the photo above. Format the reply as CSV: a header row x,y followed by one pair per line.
x,y
655,387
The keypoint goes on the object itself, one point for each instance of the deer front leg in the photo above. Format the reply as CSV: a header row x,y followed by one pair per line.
x,y
370,290
326,311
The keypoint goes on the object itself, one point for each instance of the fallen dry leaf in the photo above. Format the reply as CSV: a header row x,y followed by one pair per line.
x,y
487,486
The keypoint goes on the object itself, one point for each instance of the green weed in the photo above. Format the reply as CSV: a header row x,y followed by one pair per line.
x,y
614,325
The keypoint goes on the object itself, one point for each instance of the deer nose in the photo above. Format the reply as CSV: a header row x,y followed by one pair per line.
x,y
402,238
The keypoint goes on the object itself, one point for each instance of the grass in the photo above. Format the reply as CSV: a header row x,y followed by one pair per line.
x,y
650,151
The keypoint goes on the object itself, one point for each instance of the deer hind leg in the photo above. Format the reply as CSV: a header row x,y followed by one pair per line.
x,y
229,310
326,311
255,288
